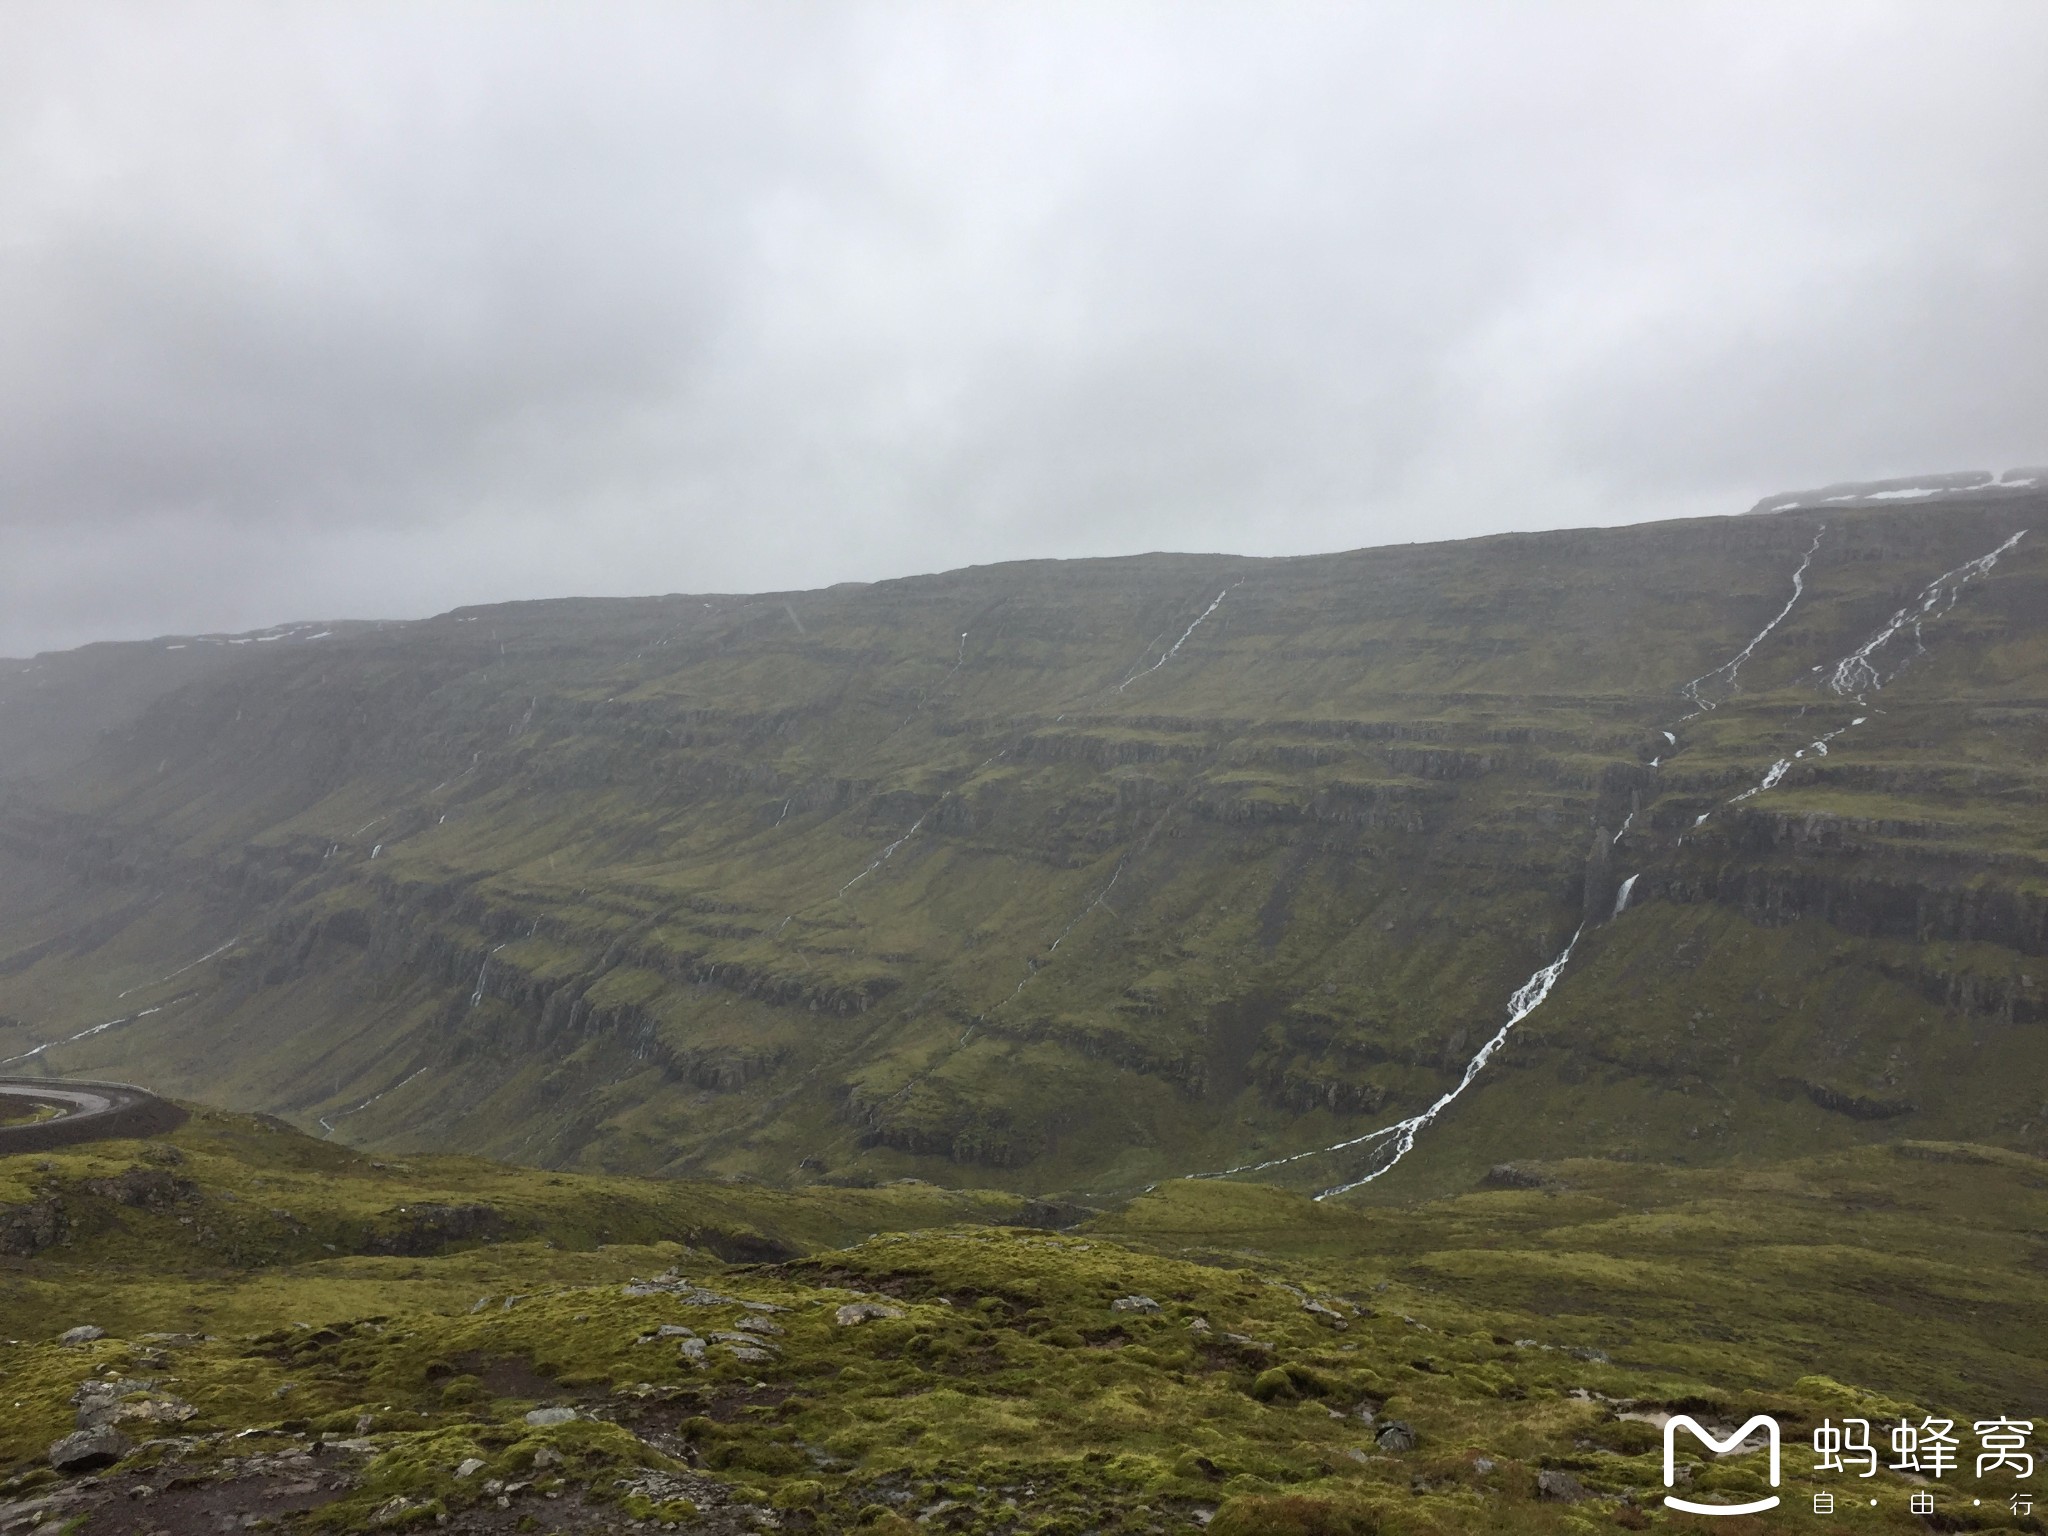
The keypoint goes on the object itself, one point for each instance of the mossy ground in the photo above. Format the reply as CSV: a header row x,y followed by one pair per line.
x,y
995,1385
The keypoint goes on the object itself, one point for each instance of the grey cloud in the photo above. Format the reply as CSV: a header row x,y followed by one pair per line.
x,y
368,311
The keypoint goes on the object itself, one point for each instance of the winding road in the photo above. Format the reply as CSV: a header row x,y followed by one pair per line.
x,y
85,1111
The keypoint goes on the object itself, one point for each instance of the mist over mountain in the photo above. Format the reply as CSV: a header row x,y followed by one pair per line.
x,y
820,910
1068,876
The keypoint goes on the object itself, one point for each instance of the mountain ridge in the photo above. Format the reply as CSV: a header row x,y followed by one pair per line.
x,y
789,885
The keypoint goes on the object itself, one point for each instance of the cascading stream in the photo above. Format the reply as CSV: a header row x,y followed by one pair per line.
x,y
181,970
1402,1133
327,1125
1729,668
1174,649
88,1033
1942,592
1526,1000
1621,896
1858,673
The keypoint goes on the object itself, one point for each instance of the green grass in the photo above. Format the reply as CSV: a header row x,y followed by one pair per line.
x,y
1514,1329
1292,876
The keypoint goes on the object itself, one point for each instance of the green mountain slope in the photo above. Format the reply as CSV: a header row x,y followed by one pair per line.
x,y
1067,877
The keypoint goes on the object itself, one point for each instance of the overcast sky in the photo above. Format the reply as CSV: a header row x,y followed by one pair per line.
x,y
368,311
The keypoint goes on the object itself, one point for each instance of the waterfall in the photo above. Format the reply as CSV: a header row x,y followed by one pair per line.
x,y
1621,896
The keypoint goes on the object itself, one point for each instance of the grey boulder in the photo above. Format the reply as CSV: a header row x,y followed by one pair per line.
x,y
100,1446
856,1312
1559,1486
1399,1435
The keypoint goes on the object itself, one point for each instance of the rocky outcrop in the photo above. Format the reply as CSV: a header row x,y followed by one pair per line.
x,y
1857,1106
144,1188
28,1229
417,1230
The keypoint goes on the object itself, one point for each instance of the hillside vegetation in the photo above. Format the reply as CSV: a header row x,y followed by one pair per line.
x,y
1069,877
281,1330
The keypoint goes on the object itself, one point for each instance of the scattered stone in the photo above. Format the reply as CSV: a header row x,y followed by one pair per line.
x,y
1559,1486
469,1467
547,1456
749,1354
741,1340
1198,1325
673,1284
675,1331
1399,1435
84,1333
89,1448
863,1311
1134,1304
1483,1464
120,1398
754,1324
99,1401
692,1350
548,1418
1325,1314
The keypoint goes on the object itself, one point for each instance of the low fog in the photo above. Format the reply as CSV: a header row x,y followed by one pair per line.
x,y
367,311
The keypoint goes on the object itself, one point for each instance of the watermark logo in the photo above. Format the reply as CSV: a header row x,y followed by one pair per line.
x,y
1734,1442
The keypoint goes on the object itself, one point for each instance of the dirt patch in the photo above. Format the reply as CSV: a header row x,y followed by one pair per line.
x,y
176,1499
509,1376
182,1507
